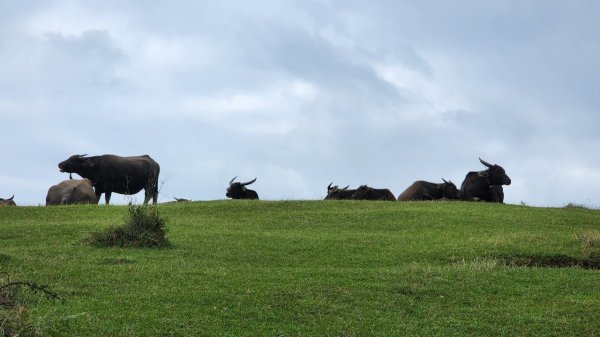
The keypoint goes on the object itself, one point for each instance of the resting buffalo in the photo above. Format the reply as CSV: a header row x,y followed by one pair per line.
x,y
335,193
7,202
477,185
424,190
365,192
239,191
72,191
110,173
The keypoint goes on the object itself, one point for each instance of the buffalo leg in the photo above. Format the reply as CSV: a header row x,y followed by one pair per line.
x,y
147,195
107,195
98,194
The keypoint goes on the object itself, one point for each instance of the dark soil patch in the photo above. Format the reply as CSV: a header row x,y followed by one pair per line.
x,y
548,261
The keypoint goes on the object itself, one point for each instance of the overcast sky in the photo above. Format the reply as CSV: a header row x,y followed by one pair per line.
x,y
303,93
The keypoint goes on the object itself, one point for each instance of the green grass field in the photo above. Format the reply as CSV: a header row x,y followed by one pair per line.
x,y
311,268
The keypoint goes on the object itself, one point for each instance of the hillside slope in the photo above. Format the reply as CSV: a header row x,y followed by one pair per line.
x,y
312,268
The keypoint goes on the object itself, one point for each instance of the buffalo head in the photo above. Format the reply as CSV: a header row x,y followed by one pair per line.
x,y
334,192
238,190
495,174
75,164
449,190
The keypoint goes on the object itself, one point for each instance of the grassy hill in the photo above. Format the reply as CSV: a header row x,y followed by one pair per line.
x,y
313,268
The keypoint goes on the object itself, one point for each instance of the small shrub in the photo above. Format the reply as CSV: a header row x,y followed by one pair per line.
x,y
576,206
143,227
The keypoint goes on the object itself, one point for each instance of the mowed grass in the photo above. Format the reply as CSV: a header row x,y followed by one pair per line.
x,y
309,268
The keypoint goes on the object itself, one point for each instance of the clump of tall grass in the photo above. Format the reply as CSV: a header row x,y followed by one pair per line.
x,y
590,245
142,227
14,314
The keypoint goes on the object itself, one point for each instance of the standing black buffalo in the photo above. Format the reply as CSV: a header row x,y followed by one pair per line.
x,y
336,193
110,173
7,202
482,185
239,191
72,191
365,192
424,190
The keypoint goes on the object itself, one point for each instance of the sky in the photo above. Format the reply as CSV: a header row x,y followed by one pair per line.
x,y
303,93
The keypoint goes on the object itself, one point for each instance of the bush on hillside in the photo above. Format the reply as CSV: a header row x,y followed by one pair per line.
x,y
143,227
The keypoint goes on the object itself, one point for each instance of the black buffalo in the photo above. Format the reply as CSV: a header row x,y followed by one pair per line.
x,y
477,185
424,190
72,191
495,194
238,190
110,173
7,202
365,192
336,193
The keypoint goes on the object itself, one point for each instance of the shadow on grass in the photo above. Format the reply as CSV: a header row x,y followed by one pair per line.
x,y
547,261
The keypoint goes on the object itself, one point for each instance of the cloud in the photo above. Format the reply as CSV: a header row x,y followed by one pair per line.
x,y
300,93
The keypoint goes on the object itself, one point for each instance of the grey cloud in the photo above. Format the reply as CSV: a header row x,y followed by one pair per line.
x,y
300,94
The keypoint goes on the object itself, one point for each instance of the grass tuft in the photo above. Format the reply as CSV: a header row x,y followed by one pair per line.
x,y
143,227
15,320
590,246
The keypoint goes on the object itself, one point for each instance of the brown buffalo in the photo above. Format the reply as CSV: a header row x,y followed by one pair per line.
x,y
424,190
7,202
72,191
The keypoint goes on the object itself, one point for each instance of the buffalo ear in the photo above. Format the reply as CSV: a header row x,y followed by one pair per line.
x,y
483,174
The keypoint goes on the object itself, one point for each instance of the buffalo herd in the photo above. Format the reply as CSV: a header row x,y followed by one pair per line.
x,y
129,175
483,185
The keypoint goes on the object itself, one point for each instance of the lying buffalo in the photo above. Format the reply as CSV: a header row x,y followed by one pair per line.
x,y
477,185
424,190
72,191
7,202
365,192
335,193
110,173
238,190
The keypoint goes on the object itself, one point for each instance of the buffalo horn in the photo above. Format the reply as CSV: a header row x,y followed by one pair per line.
x,y
485,163
345,188
329,186
231,181
444,180
11,198
249,182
